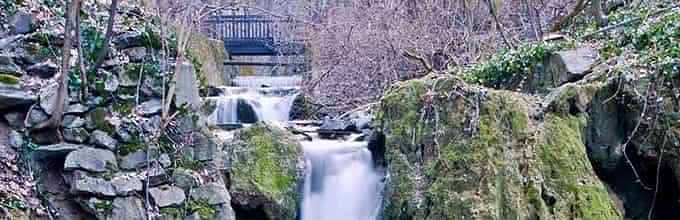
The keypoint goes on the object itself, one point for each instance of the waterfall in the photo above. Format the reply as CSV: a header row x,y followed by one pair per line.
x,y
247,104
340,181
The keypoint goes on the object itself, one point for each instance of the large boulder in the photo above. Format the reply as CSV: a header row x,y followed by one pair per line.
x,y
211,193
478,154
150,108
266,171
126,185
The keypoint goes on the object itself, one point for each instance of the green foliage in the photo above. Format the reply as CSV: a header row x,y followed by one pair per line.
x,y
152,39
654,40
104,206
12,202
132,146
190,164
74,81
98,117
148,69
92,41
9,79
9,7
509,65
176,213
660,41
123,108
203,208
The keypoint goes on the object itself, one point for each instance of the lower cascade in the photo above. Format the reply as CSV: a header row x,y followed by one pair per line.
x,y
340,182
340,179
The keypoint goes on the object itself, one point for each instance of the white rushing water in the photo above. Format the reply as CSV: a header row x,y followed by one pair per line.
x,y
269,104
340,182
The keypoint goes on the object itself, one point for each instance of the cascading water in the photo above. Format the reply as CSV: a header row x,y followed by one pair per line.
x,y
268,104
340,181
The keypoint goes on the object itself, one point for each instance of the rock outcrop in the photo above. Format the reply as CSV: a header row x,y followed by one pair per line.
x,y
266,170
456,151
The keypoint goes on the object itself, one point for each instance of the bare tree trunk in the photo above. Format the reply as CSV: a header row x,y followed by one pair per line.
x,y
81,62
101,54
580,5
62,93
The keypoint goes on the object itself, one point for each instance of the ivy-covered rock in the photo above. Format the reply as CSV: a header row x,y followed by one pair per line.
x,y
266,171
456,151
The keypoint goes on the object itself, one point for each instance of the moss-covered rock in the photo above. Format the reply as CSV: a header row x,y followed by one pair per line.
x,y
456,151
266,171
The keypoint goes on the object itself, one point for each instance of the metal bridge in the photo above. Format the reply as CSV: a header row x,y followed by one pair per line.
x,y
255,35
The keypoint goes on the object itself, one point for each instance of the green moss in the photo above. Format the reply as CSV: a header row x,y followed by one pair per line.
x,y
134,145
176,213
265,162
148,69
202,208
190,164
123,108
98,117
268,176
9,79
568,171
464,155
103,206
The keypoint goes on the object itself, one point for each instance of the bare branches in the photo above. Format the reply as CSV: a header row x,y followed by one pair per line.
x,y
493,8
422,60
580,5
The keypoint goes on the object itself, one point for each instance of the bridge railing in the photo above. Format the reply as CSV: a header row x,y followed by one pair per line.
x,y
229,27
255,35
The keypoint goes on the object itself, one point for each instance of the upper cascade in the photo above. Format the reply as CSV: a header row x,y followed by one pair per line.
x,y
253,99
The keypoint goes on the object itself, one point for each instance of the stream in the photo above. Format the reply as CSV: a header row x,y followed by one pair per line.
x,y
341,182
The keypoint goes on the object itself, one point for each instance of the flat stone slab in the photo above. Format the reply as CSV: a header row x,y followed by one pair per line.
x,y
55,150
11,98
91,159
